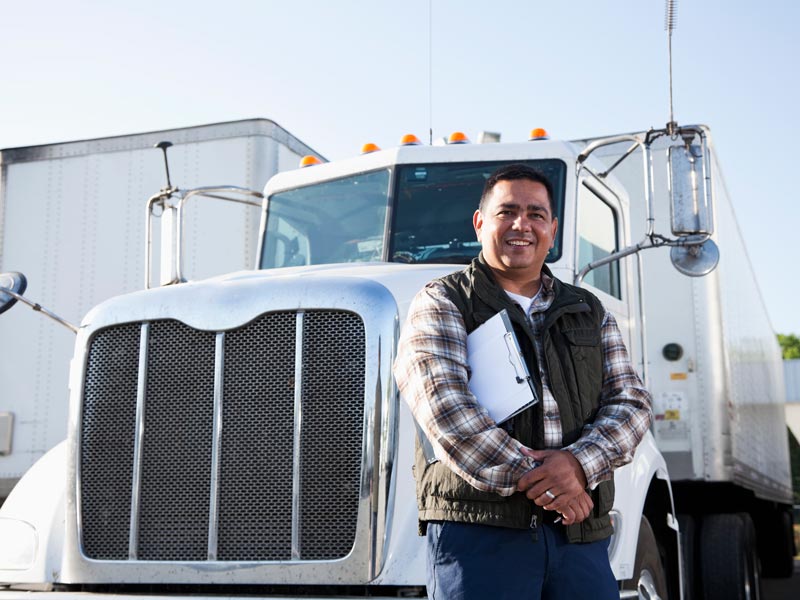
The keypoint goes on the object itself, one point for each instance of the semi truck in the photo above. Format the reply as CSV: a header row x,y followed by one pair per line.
x,y
242,434
72,219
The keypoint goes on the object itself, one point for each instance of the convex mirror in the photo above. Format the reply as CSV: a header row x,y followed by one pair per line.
x,y
14,282
697,260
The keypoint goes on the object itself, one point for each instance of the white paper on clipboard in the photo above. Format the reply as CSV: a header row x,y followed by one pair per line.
x,y
500,379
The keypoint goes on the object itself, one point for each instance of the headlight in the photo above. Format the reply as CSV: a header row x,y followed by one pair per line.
x,y
17,544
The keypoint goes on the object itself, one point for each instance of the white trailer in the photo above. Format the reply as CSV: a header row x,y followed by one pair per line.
x,y
72,219
243,433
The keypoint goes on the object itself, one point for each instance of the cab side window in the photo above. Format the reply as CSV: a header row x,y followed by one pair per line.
x,y
598,232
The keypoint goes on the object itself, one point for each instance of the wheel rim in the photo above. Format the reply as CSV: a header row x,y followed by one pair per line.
x,y
646,586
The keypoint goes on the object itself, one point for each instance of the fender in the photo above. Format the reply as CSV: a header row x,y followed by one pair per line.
x,y
632,486
32,523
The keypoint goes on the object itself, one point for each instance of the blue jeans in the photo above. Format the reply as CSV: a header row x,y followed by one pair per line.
x,y
480,562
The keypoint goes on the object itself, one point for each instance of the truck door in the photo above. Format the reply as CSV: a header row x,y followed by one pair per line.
x,y
601,230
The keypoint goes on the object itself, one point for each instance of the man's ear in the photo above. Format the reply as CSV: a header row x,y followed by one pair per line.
x,y
477,223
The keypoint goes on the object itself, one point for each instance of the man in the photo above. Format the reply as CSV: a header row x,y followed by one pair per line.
x,y
519,509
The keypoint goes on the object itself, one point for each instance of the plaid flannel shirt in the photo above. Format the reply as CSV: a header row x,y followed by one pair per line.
x,y
431,373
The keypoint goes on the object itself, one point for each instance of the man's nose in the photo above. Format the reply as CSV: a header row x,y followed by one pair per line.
x,y
522,223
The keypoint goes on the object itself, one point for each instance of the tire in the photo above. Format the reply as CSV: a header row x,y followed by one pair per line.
x,y
777,545
728,560
649,578
688,525
754,564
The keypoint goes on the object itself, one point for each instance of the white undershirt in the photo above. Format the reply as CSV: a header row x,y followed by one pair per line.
x,y
524,301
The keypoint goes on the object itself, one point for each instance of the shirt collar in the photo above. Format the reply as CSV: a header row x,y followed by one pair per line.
x,y
547,284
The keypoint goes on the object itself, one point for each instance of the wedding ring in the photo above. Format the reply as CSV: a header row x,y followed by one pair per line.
x,y
550,494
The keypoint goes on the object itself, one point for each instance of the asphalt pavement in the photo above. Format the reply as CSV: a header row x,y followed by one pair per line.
x,y
782,589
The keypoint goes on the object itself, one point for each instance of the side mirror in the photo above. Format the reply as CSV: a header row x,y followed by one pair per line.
x,y
696,260
13,282
691,205
690,189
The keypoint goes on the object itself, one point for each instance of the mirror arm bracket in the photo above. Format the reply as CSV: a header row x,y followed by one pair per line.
x,y
39,308
653,240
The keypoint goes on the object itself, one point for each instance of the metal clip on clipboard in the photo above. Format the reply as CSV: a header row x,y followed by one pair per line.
x,y
514,358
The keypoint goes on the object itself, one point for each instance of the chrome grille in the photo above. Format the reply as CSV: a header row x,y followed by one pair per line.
x,y
107,434
260,489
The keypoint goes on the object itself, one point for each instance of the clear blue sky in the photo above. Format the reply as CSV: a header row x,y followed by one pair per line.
x,y
340,73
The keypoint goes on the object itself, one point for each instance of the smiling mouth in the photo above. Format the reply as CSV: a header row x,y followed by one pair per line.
x,y
519,242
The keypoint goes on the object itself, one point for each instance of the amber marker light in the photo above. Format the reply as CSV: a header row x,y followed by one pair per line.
x,y
458,137
538,134
369,147
410,139
309,160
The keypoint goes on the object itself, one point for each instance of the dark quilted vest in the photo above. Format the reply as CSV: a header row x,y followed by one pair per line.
x,y
573,358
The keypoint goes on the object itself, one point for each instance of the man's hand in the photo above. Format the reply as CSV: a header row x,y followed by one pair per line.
x,y
558,483
577,510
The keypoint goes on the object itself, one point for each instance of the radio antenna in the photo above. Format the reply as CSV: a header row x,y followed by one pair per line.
x,y
430,72
670,18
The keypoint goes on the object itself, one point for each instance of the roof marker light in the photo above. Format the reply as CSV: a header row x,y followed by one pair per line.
x,y
410,139
369,147
538,134
458,137
309,160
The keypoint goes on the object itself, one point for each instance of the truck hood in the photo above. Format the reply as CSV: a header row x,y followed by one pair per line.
x,y
225,302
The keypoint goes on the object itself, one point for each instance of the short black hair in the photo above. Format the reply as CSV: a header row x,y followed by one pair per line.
x,y
517,171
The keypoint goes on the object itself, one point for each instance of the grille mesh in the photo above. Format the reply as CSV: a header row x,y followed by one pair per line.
x,y
255,486
333,410
176,456
107,432
255,494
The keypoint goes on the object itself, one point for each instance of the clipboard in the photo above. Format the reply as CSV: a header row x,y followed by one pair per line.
x,y
500,380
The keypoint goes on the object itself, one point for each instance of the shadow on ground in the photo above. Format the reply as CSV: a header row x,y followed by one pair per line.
x,y
783,589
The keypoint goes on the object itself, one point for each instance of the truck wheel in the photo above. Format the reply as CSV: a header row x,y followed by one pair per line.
x,y
688,539
728,560
754,563
648,578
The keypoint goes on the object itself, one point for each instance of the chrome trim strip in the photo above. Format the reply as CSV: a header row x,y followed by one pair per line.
x,y
378,499
387,446
298,425
133,539
219,362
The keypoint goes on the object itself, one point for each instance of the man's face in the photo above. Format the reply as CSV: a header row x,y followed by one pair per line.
x,y
516,229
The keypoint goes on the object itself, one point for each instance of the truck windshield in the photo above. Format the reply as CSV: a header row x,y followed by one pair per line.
x,y
434,204
344,220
